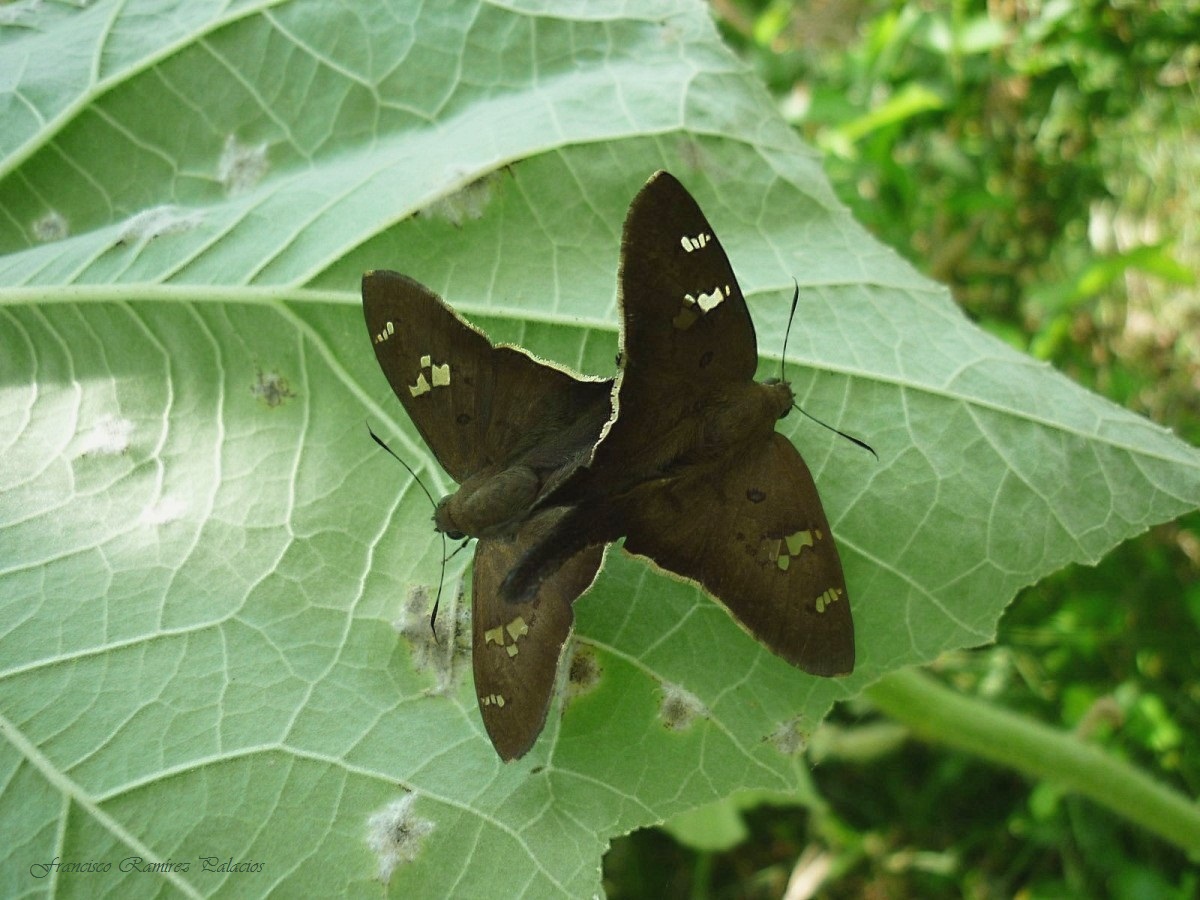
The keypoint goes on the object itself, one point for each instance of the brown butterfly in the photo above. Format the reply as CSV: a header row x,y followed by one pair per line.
x,y
509,428
690,469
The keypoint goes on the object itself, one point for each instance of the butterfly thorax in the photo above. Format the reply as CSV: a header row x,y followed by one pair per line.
x,y
742,415
488,504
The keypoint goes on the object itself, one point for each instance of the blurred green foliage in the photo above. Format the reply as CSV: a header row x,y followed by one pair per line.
x,y
1040,157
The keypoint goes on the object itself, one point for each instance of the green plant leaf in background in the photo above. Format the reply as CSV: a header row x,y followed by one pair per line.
x,y
207,570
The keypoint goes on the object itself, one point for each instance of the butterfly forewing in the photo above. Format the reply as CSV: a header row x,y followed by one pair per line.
x,y
437,364
475,405
686,329
686,321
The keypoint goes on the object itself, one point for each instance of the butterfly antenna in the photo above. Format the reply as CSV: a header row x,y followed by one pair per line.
x,y
442,579
788,331
851,438
786,334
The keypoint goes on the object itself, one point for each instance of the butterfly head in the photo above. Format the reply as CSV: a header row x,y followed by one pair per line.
x,y
443,520
781,396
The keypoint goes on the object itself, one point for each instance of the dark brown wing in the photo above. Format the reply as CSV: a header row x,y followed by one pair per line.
x,y
475,405
755,536
516,646
686,333
685,326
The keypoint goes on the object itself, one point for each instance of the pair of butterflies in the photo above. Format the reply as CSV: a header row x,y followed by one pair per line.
x,y
681,459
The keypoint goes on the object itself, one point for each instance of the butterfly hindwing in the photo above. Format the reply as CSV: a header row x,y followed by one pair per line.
x,y
756,538
516,646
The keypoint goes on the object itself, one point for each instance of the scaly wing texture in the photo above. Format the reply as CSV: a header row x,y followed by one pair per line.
x,y
474,404
686,330
755,536
516,646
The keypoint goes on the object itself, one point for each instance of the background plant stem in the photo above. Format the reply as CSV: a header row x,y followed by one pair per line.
x,y
936,713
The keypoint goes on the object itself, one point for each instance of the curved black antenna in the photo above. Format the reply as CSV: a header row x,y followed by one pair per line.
x,y
851,438
788,331
442,579
796,406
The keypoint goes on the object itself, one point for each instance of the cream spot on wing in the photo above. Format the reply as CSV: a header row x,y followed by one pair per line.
x,y
789,547
798,541
698,242
713,299
386,332
693,306
517,628
421,387
507,636
827,599
439,376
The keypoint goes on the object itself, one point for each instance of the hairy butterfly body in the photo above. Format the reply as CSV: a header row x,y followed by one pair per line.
x,y
510,429
690,469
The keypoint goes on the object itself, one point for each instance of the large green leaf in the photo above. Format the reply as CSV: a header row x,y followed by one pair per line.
x,y
203,554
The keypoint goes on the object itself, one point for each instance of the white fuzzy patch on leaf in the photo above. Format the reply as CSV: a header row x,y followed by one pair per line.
x,y
53,226
158,221
395,833
108,437
241,166
680,708
166,510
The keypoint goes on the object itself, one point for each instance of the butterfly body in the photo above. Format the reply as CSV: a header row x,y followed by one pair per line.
x,y
690,469
683,462
741,417
499,498
488,504
509,428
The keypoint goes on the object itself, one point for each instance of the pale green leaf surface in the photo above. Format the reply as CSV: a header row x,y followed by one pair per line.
x,y
202,554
